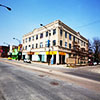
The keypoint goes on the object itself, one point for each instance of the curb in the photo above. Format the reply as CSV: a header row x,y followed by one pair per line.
x,y
50,71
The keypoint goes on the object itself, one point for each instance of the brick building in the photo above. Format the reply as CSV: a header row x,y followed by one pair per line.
x,y
4,51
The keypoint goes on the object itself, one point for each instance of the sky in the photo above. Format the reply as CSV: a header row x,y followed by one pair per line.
x,y
81,15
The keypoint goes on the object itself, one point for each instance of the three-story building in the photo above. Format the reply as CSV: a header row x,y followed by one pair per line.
x,y
55,42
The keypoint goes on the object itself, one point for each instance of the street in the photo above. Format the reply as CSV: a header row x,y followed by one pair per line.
x,y
17,83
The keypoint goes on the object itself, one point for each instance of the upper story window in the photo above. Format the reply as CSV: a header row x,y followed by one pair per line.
x,y
65,44
54,31
23,41
32,37
69,45
78,41
49,33
36,37
46,33
84,43
41,35
61,32
70,36
29,39
54,42
26,40
32,46
36,45
60,42
69,55
41,44
73,38
65,34
25,47
47,43
74,47
29,45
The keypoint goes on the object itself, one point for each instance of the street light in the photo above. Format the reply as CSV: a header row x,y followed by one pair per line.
x,y
5,7
17,40
19,48
48,42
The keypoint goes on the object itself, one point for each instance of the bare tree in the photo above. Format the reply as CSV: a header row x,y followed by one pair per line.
x,y
96,49
90,49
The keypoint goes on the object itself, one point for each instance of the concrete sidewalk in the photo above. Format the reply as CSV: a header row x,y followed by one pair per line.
x,y
56,69
93,69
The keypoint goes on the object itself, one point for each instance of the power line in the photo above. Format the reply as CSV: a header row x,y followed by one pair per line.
x,y
94,22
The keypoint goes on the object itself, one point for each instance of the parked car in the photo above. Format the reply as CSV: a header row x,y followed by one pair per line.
x,y
94,63
9,58
90,63
26,60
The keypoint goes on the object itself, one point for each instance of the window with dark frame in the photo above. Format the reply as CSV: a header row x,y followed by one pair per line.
x,y
65,44
41,44
73,38
29,39
65,34
54,42
36,37
69,45
36,45
61,32
41,35
70,36
26,40
23,41
60,42
25,47
69,55
32,37
54,31
46,33
84,43
32,46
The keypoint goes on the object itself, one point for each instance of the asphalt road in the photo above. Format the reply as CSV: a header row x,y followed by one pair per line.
x,y
17,83
80,72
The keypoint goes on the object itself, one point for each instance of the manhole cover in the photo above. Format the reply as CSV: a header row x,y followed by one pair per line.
x,y
41,75
54,83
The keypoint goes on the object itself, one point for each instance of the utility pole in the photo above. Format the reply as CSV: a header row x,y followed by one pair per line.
x,y
48,42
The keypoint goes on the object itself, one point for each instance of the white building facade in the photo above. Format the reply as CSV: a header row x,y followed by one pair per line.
x,y
55,43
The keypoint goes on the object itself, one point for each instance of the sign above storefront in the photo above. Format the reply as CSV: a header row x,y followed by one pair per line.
x,y
51,52
30,53
62,53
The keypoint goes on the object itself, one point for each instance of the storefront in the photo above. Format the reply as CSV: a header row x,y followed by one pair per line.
x,y
51,57
39,56
30,55
15,54
62,57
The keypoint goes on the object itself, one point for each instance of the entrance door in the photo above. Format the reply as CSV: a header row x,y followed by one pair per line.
x,y
49,58
23,57
61,59
54,61
30,57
